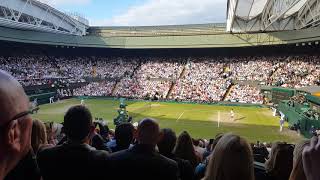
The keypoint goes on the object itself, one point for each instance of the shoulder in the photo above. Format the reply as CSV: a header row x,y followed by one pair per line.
x,y
44,150
100,154
168,162
183,163
120,155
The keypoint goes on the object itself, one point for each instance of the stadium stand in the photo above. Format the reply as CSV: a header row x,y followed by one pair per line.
x,y
200,79
59,56
193,73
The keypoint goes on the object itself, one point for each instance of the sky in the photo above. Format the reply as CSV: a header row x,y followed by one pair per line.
x,y
145,12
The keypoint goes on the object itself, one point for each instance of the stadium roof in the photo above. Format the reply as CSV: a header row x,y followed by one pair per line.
x,y
272,15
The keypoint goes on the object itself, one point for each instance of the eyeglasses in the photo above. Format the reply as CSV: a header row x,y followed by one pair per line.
x,y
16,117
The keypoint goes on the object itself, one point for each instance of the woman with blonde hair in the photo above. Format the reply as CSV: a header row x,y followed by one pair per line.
x,y
38,136
297,172
232,159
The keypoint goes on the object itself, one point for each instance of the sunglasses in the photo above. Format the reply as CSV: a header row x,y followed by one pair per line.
x,y
16,117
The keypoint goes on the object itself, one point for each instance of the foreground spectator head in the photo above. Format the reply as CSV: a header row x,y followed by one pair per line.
x,y
78,123
124,135
15,123
148,132
167,142
231,159
297,170
39,135
311,159
279,165
215,141
184,149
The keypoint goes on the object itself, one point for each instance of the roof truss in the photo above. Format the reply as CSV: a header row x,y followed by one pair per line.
x,y
277,15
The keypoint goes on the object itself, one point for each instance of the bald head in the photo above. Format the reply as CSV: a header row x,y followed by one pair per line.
x,y
148,131
13,99
15,134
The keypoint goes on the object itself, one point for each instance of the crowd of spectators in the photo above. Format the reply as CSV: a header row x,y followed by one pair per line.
x,y
245,94
39,70
202,81
183,79
85,149
95,89
297,72
254,68
142,88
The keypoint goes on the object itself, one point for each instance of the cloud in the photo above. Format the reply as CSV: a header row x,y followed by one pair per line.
x,y
66,2
168,12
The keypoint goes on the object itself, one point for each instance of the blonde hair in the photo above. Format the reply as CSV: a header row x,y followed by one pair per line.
x,y
232,159
39,135
297,172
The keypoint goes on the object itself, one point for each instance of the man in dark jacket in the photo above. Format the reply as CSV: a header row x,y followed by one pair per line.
x,y
142,161
166,145
74,159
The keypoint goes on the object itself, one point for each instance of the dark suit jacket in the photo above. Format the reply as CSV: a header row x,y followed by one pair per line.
x,y
71,161
26,169
142,162
185,169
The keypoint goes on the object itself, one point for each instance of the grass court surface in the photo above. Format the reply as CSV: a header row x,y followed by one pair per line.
x,y
200,120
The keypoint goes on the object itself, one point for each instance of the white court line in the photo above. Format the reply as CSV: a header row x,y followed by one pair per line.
x,y
218,119
180,116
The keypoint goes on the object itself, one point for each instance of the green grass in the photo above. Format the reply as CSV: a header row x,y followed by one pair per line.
x,y
199,120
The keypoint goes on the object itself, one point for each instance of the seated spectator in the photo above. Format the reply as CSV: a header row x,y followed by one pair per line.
x,y
38,136
142,161
15,124
311,159
50,131
297,170
166,146
184,149
123,137
232,159
74,159
197,147
279,164
98,142
201,168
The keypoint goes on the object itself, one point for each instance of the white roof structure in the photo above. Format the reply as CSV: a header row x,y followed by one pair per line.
x,y
272,15
38,16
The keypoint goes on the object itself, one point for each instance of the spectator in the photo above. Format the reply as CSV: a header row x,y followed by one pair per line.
x,y
198,149
38,136
231,159
15,124
279,165
297,170
74,159
184,149
166,146
98,142
311,159
201,168
123,137
51,133
142,161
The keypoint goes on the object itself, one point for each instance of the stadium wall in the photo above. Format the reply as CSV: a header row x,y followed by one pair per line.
x,y
221,103
223,40
295,115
